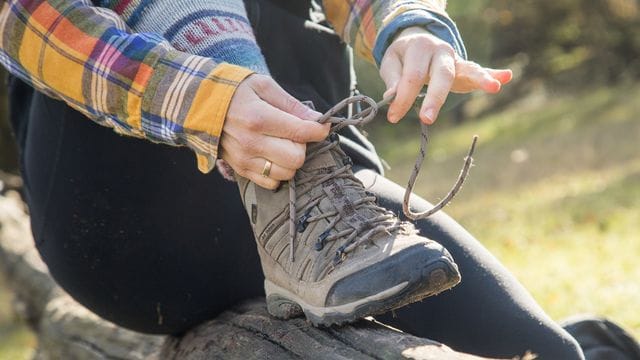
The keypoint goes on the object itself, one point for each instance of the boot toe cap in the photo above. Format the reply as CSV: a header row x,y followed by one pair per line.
x,y
426,268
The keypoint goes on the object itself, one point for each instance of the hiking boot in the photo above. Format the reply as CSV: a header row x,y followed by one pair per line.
x,y
346,257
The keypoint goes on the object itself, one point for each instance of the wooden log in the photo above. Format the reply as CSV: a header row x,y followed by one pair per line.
x,y
249,332
66,330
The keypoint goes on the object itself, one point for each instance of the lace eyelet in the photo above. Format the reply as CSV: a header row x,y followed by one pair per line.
x,y
322,240
302,222
339,255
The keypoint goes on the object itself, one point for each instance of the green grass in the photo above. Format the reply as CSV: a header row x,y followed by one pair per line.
x,y
554,193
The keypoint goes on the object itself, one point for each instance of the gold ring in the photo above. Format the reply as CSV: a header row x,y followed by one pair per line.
x,y
266,170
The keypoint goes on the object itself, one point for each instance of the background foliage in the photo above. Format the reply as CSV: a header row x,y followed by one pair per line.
x,y
569,42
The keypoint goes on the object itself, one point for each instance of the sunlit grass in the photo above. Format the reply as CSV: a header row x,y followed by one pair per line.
x,y
555,194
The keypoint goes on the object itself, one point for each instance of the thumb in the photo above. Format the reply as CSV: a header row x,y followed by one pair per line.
x,y
390,71
272,93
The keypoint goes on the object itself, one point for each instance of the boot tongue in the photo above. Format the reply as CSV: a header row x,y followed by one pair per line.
x,y
326,160
337,195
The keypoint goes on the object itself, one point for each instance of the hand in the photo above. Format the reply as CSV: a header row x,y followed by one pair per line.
x,y
266,123
415,58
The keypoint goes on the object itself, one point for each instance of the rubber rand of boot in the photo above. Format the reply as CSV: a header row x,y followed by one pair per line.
x,y
283,304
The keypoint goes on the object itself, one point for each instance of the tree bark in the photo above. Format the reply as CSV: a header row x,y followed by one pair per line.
x,y
66,330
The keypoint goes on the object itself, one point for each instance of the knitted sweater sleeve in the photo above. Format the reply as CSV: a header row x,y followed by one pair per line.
x,y
369,25
218,29
136,83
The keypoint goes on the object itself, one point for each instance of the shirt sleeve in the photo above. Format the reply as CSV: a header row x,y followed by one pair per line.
x,y
369,26
136,84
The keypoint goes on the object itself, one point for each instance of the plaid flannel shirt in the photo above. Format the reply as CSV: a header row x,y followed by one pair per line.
x,y
141,86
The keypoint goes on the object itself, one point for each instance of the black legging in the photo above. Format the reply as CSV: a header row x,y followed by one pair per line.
x,y
135,233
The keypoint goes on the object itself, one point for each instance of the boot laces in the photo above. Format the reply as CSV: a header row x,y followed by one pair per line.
x,y
382,220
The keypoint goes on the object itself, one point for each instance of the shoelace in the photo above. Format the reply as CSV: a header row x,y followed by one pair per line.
x,y
380,223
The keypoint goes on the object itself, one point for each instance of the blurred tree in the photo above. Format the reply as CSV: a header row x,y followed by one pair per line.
x,y
572,42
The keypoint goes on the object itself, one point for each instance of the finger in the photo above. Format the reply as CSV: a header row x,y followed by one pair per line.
x,y
502,75
262,181
390,71
269,90
277,172
484,81
240,168
442,73
470,76
286,153
390,92
490,84
272,121
414,74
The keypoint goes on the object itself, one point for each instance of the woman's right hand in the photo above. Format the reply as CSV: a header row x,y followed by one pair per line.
x,y
265,123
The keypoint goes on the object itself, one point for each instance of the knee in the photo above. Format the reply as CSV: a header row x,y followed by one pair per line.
x,y
565,347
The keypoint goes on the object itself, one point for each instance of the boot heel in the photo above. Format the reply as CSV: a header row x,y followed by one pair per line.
x,y
283,308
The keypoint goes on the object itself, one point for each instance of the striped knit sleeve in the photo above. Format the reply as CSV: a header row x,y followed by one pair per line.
x,y
218,29
135,83
369,25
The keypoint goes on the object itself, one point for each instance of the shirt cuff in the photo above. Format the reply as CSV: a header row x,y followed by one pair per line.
x,y
215,95
437,24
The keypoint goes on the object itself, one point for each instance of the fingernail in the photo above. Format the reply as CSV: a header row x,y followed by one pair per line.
x,y
497,86
430,114
392,117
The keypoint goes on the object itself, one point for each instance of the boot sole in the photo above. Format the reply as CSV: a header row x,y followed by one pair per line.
x,y
436,277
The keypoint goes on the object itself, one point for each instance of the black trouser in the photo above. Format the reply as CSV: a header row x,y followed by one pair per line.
x,y
132,231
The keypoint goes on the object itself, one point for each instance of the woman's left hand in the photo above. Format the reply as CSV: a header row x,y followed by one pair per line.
x,y
416,58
